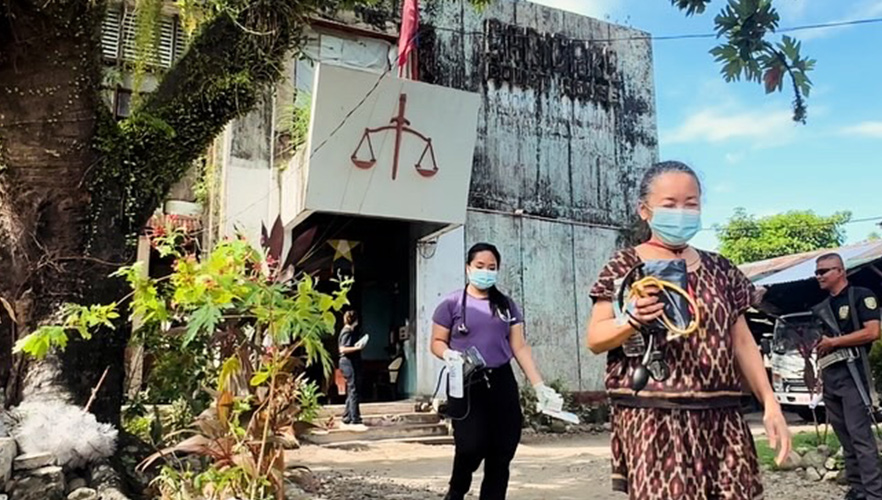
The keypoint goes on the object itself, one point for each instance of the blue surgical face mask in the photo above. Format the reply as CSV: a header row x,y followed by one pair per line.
x,y
675,226
482,279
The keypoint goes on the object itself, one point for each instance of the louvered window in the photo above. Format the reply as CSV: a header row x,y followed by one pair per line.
x,y
119,30
111,30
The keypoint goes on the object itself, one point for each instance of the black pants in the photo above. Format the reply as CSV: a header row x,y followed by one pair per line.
x,y
489,433
352,373
851,420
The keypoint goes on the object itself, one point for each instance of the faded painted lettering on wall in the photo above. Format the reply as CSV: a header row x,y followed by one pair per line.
x,y
524,57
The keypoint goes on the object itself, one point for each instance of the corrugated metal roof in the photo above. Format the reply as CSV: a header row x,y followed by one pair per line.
x,y
800,267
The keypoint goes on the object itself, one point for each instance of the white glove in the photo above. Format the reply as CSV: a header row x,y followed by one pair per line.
x,y
450,356
547,398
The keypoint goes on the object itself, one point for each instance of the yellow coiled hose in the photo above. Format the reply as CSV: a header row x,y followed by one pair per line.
x,y
640,289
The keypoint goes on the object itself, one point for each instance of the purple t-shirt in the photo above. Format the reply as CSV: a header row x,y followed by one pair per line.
x,y
487,332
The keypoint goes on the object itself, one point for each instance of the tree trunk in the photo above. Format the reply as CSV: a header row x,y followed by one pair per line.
x,y
49,114
75,188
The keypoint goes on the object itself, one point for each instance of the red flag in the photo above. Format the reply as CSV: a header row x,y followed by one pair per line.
x,y
410,21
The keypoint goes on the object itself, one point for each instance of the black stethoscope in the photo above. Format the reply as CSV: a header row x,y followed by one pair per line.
x,y
463,329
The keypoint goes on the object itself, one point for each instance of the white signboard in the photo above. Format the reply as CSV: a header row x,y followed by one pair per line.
x,y
385,147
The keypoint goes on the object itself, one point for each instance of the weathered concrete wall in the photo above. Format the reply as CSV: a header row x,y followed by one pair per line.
x,y
565,129
438,272
247,177
567,165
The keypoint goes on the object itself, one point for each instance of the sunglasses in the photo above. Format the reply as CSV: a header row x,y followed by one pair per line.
x,y
824,270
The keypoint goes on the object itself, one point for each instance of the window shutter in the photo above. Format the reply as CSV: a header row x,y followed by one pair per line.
x,y
110,34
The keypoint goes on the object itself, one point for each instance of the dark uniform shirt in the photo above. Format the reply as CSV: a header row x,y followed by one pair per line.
x,y
867,309
348,338
866,305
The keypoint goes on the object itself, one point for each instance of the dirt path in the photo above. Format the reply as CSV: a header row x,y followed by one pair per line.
x,y
555,468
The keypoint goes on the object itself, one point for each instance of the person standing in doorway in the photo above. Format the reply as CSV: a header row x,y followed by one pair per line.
x,y
850,317
350,365
681,435
487,419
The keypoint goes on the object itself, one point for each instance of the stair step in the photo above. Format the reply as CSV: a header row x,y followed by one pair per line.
x,y
324,437
426,440
371,409
395,419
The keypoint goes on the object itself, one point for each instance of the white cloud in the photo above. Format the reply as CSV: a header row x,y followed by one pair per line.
x,y
792,9
598,9
734,158
762,127
866,129
866,9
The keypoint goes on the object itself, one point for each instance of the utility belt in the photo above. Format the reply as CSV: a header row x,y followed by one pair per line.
x,y
836,357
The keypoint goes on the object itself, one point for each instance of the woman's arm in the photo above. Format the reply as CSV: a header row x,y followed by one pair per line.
x,y
750,362
523,354
440,340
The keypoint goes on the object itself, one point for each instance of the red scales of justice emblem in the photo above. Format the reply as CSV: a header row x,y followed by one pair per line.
x,y
401,126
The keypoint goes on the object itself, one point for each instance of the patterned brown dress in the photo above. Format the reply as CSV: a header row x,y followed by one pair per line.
x,y
684,438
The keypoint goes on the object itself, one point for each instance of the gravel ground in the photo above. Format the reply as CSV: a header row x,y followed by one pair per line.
x,y
560,468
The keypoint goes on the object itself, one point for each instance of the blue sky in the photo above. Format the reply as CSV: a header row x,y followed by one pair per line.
x,y
742,141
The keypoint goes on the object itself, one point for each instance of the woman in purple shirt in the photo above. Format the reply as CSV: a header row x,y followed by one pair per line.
x,y
487,421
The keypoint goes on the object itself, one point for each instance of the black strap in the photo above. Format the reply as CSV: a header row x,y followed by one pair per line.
x,y
852,310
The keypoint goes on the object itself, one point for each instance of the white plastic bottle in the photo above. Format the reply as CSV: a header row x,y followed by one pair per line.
x,y
454,378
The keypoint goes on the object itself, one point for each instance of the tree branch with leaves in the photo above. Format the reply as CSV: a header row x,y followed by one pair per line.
x,y
746,26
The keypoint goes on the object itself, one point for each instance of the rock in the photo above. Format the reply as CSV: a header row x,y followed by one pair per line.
x,y
800,473
45,483
792,462
558,427
107,481
8,451
83,494
294,492
824,450
76,483
814,460
842,478
607,427
32,461
812,474
831,476
303,478
831,464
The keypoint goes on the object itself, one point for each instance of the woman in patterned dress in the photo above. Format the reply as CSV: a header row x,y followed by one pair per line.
x,y
684,438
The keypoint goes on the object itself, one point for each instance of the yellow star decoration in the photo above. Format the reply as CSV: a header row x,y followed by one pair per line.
x,y
343,248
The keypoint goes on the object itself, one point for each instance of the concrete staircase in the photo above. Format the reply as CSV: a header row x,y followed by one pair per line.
x,y
386,422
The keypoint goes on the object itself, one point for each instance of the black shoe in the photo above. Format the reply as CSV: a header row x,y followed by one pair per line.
x,y
854,495
454,496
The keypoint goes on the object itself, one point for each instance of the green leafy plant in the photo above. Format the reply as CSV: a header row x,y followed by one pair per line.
x,y
259,323
876,364
308,398
294,121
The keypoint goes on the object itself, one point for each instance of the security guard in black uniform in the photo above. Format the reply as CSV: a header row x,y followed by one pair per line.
x,y
851,319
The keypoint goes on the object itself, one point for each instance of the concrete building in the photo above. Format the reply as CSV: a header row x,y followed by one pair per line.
x,y
537,122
